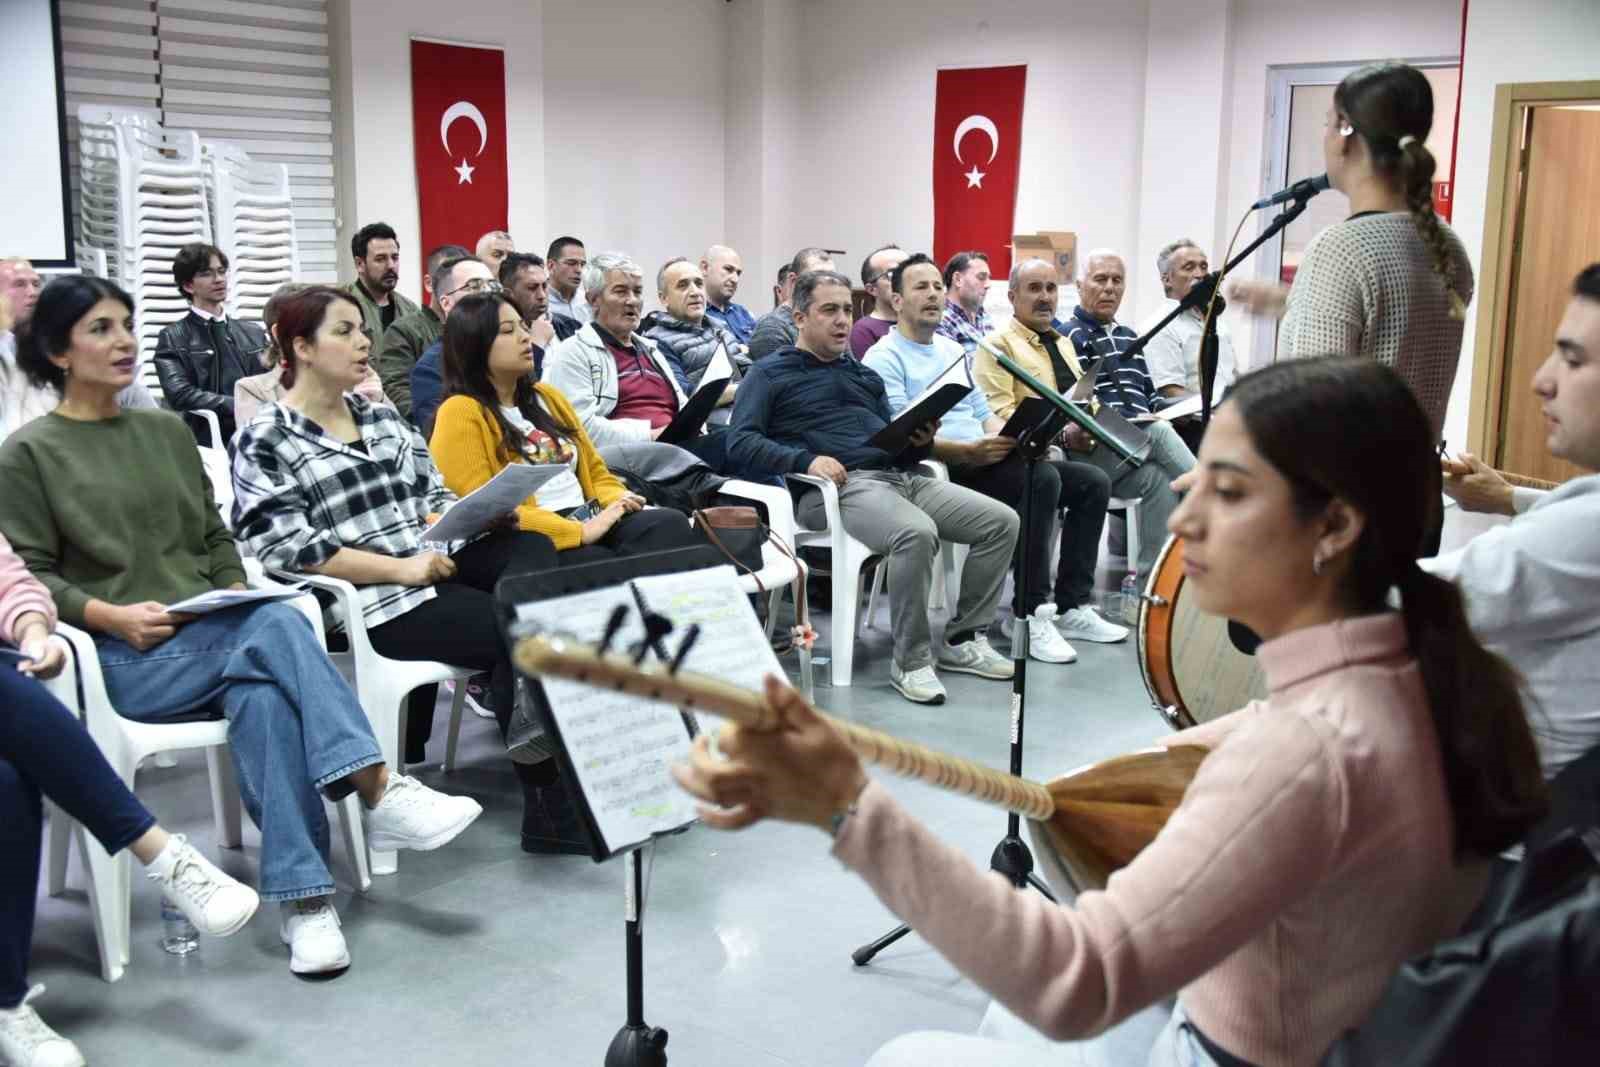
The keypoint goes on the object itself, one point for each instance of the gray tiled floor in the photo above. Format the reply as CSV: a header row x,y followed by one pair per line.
x,y
478,954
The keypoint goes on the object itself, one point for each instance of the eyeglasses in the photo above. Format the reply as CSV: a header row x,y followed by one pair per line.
x,y
476,285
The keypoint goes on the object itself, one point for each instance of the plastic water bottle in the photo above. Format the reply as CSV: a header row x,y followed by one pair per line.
x,y
178,935
1130,599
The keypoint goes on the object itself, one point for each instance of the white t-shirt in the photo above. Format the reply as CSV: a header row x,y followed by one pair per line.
x,y
564,490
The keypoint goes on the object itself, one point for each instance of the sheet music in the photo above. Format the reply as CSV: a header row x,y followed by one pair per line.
x,y
719,369
219,599
492,501
620,745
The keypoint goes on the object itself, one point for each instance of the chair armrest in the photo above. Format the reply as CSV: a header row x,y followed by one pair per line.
x,y
346,601
935,469
64,686
256,578
213,425
830,498
780,505
91,687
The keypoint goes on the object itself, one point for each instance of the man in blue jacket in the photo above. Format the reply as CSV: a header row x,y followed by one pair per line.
x,y
810,408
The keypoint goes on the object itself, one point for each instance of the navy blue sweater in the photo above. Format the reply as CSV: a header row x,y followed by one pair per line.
x,y
792,408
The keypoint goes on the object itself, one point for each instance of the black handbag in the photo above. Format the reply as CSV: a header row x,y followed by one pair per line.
x,y
1521,987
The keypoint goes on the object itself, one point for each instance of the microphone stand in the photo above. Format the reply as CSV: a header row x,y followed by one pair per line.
x,y
1201,293
1011,857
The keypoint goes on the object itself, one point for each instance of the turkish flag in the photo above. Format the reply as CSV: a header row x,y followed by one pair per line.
x,y
977,147
458,137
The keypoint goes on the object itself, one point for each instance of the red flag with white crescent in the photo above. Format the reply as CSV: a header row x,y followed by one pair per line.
x,y
458,118
977,149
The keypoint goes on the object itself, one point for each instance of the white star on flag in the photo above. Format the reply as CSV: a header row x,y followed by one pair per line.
x,y
464,173
974,177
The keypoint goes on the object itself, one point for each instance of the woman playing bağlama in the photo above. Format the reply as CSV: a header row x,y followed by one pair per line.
x,y
1336,828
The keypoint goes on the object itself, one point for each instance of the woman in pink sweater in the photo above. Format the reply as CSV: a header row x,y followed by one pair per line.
x,y
1336,829
44,749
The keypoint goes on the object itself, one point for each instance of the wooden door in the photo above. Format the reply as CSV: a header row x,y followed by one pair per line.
x,y
1557,235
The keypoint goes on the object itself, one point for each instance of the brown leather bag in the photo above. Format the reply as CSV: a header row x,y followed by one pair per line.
x,y
739,534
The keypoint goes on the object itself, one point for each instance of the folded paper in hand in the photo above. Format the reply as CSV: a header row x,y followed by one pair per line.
x,y
930,405
492,501
691,418
222,599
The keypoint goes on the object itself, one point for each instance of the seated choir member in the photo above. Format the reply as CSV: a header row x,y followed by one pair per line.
x,y
776,329
249,394
689,337
202,356
1034,343
44,750
21,400
1532,588
327,483
1173,355
113,512
410,335
1337,828
495,415
453,281
618,381
810,409
909,359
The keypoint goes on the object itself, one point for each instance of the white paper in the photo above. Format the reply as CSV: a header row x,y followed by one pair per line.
x,y
719,369
492,501
621,746
1189,405
218,599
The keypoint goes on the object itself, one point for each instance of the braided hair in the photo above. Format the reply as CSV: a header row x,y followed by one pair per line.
x,y
1390,107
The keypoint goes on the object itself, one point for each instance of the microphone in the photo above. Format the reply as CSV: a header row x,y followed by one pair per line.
x,y
1304,189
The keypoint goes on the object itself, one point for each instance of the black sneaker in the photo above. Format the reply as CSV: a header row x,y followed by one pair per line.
x,y
552,825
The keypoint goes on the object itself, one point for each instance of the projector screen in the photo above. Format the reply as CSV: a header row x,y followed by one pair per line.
x,y
35,216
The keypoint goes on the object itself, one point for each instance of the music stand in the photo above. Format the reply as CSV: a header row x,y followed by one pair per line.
x,y
1011,857
636,1044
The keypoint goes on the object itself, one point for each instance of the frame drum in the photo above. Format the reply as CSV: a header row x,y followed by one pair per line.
x,y
1191,668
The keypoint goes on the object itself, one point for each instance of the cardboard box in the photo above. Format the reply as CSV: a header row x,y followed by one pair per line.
x,y
1055,246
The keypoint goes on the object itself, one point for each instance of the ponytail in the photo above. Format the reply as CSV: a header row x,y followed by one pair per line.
x,y
1491,764
1390,105
1416,167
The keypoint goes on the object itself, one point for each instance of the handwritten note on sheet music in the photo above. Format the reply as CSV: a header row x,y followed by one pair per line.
x,y
622,746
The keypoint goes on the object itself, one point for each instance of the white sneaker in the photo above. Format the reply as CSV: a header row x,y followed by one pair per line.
x,y
1045,642
310,927
213,900
411,815
1084,624
25,1040
978,657
920,686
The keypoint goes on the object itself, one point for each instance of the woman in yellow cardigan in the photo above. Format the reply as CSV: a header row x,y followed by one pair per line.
x,y
494,414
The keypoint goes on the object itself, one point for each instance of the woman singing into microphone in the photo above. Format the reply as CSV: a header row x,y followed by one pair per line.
x,y
1391,282
1336,828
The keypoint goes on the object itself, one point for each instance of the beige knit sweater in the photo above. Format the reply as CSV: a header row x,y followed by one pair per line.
x,y
1310,857
1366,287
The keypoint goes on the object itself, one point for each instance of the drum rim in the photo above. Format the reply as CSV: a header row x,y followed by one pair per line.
x,y
1166,619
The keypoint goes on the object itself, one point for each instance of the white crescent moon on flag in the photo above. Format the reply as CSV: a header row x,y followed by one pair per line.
x,y
976,122
463,110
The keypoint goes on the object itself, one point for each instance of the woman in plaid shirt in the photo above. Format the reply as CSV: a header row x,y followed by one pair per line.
x,y
329,483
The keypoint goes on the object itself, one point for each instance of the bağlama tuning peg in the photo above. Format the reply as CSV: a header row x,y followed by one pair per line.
x,y
655,628
619,615
690,636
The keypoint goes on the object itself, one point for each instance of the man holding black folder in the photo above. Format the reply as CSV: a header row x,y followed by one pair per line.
x,y
811,408
909,359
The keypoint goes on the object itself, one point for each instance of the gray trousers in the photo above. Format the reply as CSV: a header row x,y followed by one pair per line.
x,y
904,516
1169,457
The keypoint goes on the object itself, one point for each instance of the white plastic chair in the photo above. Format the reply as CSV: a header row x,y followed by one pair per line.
x,y
125,743
778,571
849,556
1130,509
382,684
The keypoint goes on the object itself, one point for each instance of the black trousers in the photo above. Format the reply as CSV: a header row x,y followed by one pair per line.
x,y
655,530
458,626
1083,490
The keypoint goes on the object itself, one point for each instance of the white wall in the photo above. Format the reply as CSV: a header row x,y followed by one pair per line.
x,y
1506,42
384,183
634,127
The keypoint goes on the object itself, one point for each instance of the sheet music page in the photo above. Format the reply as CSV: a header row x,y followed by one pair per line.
x,y
620,745
719,369
492,501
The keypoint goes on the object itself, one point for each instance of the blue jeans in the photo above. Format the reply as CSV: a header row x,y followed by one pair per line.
x,y
45,749
293,724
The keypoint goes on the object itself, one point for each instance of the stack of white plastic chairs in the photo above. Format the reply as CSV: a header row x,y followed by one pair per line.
x,y
142,196
253,218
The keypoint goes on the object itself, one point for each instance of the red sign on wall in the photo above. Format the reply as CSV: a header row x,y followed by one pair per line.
x,y
1441,200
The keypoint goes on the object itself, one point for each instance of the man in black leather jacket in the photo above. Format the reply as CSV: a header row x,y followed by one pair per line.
x,y
200,357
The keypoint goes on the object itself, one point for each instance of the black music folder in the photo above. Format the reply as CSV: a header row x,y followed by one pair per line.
x,y
946,391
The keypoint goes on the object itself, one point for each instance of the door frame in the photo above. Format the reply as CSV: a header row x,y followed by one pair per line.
x,y
1281,80
1497,269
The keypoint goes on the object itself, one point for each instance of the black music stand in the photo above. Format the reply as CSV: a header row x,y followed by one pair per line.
x,y
636,1044
1011,857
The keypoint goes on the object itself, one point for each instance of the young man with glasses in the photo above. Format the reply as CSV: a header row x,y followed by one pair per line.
x,y
202,356
566,260
452,280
